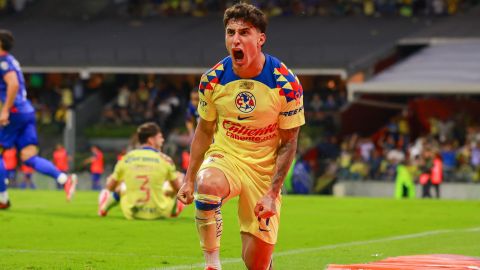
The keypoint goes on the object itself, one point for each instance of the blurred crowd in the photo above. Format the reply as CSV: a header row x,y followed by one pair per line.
x,y
53,94
13,6
139,9
150,98
200,8
455,143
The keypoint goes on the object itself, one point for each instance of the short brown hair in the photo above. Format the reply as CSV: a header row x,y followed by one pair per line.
x,y
6,40
146,131
248,13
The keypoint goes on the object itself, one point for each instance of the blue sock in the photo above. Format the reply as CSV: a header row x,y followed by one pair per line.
x,y
116,196
43,166
3,176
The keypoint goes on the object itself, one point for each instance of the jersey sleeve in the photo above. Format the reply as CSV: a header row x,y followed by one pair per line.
x,y
171,169
291,112
208,81
5,67
172,173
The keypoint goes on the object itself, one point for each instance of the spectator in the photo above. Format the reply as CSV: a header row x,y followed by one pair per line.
x,y
330,104
366,147
375,164
445,130
345,161
449,157
123,99
426,165
191,117
302,180
404,130
359,169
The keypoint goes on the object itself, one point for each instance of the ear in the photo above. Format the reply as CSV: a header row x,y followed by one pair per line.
x,y
262,39
151,140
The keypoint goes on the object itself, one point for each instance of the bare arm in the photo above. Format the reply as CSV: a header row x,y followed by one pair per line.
x,y
12,89
112,183
286,154
177,183
201,142
266,207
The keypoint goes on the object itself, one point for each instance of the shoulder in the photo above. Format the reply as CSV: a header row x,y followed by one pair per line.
x,y
288,83
213,76
5,63
166,158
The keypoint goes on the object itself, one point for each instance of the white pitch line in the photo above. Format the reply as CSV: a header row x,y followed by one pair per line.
x,y
50,205
328,247
76,252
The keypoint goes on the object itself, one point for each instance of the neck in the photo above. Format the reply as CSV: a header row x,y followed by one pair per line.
x,y
253,70
2,52
148,146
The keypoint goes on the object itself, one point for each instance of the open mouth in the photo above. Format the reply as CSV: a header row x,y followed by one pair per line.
x,y
237,55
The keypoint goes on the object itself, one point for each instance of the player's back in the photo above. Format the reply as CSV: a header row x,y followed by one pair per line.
x,y
8,63
145,171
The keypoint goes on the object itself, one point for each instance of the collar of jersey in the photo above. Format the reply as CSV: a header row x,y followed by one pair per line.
x,y
150,148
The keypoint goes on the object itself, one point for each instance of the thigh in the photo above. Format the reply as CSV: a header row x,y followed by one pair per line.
x,y
256,254
254,187
222,171
27,133
9,134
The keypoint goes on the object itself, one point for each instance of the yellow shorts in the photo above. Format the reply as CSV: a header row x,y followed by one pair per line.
x,y
250,186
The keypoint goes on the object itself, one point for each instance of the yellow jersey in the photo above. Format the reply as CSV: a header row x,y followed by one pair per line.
x,y
144,172
249,112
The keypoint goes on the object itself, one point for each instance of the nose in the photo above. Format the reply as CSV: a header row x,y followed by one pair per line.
x,y
236,39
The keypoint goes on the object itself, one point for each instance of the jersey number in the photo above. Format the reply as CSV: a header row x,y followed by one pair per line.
x,y
144,187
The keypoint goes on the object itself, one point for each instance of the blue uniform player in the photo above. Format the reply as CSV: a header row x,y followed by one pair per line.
x,y
17,123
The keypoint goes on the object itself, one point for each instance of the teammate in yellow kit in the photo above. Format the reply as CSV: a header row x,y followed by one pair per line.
x,y
251,108
144,180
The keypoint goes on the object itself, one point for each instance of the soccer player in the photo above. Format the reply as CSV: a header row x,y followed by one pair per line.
x,y
96,162
27,177
145,180
254,103
61,159
10,162
17,123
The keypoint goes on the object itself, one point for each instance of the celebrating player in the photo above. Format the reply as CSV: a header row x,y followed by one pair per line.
x,y
144,180
255,104
17,123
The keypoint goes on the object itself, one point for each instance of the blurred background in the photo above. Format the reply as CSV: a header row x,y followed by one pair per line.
x,y
391,87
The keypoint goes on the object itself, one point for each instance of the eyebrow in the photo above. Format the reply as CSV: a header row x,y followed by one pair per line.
x,y
239,29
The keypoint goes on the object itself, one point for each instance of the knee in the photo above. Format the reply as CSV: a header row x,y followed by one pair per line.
x,y
28,152
212,183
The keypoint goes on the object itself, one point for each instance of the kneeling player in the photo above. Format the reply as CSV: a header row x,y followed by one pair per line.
x,y
144,181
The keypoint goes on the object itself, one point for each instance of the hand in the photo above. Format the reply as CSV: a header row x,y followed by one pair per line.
x,y
4,115
266,207
185,194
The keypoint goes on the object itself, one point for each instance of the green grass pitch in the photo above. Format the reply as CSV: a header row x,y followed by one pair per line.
x,y
42,231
